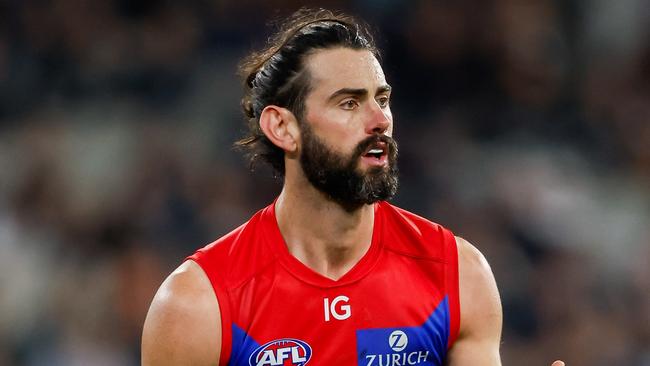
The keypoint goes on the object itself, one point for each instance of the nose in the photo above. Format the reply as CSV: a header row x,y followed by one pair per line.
x,y
380,120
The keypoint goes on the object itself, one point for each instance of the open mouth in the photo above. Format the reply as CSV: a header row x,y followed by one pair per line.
x,y
377,151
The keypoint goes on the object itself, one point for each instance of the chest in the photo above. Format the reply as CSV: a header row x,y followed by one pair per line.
x,y
395,315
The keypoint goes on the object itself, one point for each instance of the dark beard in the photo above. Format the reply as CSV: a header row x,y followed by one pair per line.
x,y
337,176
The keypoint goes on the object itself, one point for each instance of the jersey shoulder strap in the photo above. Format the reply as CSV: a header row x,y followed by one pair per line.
x,y
411,235
231,261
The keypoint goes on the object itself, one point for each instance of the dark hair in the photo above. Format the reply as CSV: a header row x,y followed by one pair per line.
x,y
276,74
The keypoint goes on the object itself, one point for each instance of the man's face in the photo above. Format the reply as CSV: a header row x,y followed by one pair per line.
x,y
347,150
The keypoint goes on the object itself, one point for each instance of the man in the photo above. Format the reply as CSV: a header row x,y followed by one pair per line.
x,y
329,274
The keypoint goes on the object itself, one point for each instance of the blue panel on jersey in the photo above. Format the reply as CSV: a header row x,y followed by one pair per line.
x,y
422,345
243,346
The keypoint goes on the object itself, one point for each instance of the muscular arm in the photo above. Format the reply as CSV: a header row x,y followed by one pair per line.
x,y
183,325
480,311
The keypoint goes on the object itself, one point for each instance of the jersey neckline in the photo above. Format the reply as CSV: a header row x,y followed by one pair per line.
x,y
302,272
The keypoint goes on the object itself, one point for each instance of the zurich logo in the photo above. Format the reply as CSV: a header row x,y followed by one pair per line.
x,y
398,340
281,352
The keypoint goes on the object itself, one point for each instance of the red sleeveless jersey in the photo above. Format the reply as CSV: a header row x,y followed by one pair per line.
x,y
397,306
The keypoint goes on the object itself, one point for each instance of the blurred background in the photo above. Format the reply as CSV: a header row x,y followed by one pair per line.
x,y
524,127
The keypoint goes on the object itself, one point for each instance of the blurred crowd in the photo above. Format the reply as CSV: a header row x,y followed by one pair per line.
x,y
524,126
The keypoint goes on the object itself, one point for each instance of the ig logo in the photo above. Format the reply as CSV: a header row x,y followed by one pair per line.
x,y
338,312
398,340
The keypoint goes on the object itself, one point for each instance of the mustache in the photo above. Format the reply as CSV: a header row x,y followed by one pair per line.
x,y
363,146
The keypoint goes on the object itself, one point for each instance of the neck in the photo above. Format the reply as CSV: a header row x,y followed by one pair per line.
x,y
321,233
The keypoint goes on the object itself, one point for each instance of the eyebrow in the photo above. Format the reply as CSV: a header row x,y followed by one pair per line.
x,y
359,92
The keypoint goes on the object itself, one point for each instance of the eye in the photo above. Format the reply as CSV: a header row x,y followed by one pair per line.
x,y
349,104
383,101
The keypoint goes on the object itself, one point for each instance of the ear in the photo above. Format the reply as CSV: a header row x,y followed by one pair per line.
x,y
281,127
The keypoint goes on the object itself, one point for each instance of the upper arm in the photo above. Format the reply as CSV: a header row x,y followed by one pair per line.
x,y
183,325
480,311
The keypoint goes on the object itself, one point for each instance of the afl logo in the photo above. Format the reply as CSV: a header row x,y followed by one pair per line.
x,y
398,340
281,352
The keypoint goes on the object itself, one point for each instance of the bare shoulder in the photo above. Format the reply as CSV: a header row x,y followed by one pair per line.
x,y
183,325
479,296
480,310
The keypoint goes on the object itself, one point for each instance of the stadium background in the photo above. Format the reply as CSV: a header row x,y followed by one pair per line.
x,y
524,127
